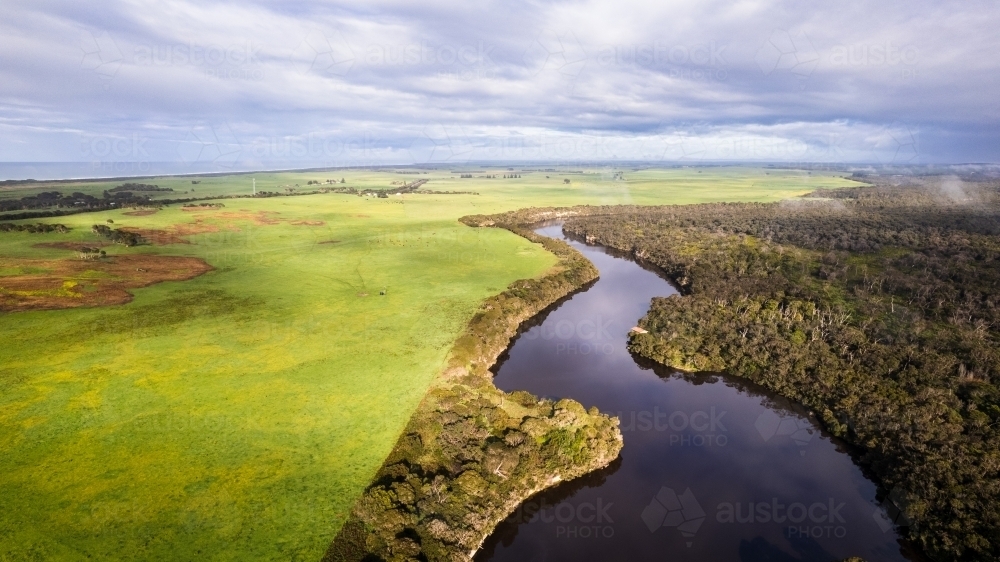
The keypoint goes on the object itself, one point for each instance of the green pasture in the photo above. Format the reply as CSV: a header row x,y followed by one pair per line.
x,y
592,185
238,415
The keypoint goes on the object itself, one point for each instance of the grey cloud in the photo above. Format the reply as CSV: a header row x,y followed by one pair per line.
x,y
754,81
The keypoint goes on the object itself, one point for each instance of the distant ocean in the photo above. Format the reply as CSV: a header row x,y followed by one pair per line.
x,y
91,170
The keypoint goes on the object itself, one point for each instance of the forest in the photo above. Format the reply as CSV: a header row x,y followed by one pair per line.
x,y
878,307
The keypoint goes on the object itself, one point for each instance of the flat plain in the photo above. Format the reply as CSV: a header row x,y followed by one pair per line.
x,y
239,413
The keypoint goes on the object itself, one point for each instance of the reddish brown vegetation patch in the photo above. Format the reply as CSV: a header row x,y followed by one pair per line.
x,y
157,237
142,213
71,283
330,242
177,233
197,227
174,234
260,217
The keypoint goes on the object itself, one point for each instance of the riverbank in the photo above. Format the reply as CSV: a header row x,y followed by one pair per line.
x,y
876,309
472,453
703,436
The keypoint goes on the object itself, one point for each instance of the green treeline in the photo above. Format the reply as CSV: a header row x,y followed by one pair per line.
x,y
32,228
878,307
118,236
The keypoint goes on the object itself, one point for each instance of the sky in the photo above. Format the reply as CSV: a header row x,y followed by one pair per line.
x,y
251,85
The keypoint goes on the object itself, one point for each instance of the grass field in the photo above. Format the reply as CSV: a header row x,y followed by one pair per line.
x,y
237,415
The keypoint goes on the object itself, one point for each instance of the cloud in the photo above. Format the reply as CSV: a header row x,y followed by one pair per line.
x,y
761,80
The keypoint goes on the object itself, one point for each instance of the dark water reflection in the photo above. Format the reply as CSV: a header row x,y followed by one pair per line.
x,y
699,451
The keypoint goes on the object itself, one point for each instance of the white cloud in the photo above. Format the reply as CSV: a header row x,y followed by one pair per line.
x,y
763,80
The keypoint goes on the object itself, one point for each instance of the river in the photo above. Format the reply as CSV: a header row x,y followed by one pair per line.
x,y
713,467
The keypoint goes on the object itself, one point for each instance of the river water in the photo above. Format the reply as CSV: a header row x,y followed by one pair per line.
x,y
713,468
